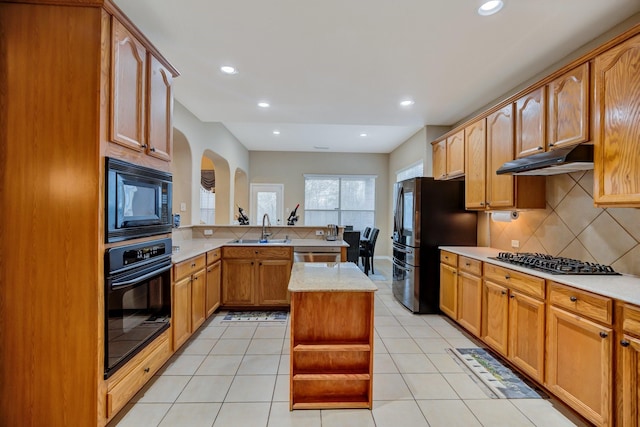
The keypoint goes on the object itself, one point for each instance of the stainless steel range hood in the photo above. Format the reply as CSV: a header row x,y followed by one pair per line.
x,y
553,162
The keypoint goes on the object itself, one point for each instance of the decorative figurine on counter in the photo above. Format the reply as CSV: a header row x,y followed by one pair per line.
x,y
242,218
293,218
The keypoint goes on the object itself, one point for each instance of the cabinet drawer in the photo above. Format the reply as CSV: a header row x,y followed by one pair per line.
x,y
449,258
586,304
213,256
119,394
239,252
522,282
631,322
190,266
278,252
472,266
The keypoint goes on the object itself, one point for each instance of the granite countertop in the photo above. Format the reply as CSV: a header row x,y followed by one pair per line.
x,y
194,247
624,287
329,277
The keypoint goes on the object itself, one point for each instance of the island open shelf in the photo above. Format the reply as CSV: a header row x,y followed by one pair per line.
x,y
332,308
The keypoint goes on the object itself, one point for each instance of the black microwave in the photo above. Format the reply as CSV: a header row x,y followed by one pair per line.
x,y
138,201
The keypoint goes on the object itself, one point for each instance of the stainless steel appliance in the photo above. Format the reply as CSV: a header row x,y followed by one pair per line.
x,y
137,299
427,214
138,201
554,265
332,232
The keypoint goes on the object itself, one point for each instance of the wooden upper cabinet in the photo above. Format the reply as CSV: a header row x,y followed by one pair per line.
x,y
568,108
128,75
455,155
617,126
500,190
159,110
475,165
531,123
439,150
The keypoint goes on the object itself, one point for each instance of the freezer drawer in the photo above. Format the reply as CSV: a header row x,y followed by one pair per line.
x,y
405,284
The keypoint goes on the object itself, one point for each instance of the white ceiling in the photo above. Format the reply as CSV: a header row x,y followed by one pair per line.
x,y
333,69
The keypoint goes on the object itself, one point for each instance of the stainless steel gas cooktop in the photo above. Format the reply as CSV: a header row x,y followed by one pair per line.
x,y
554,265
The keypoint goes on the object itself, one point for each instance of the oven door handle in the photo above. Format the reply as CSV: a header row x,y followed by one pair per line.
x,y
116,285
400,266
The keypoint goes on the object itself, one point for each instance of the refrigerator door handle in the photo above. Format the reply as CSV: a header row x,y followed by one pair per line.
x,y
400,266
402,250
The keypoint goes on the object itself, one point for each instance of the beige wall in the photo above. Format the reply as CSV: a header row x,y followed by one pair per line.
x,y
289,168
571,227
180,168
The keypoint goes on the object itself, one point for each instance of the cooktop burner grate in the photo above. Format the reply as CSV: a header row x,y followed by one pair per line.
x,y
554,265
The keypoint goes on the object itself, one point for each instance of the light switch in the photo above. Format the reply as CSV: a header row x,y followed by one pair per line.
x,y
183,207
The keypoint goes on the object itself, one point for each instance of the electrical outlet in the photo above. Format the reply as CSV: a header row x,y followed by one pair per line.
x,y
208,232
515,244
183,207
319,232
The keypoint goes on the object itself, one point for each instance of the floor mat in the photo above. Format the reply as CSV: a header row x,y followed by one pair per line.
x,y
502,381
256,316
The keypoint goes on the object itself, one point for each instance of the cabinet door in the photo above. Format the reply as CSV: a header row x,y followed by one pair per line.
x,y
455,155
469,302
273,282
237,282
500,190
526,334
213,287
159,110
579,364
128,74
475,165
448,290
617,126
198,289
568,108
495,315
630,381
531,123
440,159
181,312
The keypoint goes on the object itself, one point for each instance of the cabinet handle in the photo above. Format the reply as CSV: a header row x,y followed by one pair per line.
x,y
551,144
146,370
481,203
251,262
503,292
193,265
153,149
144,146
539,147
446,257
507,277
603,334
624,343
512,296
488,204
467,264
573,299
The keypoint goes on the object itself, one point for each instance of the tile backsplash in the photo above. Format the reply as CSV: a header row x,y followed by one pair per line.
x,y
571,226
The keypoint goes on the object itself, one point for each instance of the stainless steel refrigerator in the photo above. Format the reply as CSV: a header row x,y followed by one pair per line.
x,y
427,214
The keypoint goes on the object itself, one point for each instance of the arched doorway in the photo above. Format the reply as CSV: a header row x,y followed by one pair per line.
x,y
181,168
214,189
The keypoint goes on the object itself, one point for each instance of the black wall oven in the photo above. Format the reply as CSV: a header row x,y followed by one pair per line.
x,y
138,201
137,299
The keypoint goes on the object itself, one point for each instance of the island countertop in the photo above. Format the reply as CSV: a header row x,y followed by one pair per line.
x,y
329,277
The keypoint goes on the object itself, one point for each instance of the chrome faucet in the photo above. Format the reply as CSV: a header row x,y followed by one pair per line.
x,y
264,227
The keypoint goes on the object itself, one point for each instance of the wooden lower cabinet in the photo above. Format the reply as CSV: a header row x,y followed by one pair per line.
x,y
198,295
495,316
214,291
630,349
527,334
470,302
181,312
188,298
256,276
579,364
448,290
331,365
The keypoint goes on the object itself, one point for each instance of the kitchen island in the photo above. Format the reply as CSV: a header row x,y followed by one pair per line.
x,y
332,309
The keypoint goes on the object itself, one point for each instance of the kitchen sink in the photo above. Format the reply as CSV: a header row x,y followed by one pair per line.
x,y
260,242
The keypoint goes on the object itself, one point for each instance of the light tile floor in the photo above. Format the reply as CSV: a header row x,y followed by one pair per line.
x,y
237,374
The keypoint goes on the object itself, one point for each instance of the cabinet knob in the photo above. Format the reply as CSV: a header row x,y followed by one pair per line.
x,y
488,204
467,264
153,149
539,147
507,277
251,262
624,343
573,299
503,292
603,334
146,370
551,144
193,265
144,146
481,203
512,296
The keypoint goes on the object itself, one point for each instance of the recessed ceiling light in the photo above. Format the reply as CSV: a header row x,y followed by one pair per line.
x,y
363,134
228,69
276,132
263,104
490,7
407,102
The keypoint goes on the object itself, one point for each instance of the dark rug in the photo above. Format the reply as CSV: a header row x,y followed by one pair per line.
x,y
256,316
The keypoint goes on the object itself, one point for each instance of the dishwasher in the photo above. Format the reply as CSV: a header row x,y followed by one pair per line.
x,y
316,254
